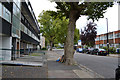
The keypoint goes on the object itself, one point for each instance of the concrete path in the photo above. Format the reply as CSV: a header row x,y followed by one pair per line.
x,y
26,71
60,70
50,69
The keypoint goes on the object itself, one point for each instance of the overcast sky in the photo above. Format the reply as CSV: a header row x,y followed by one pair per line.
x,y
111,14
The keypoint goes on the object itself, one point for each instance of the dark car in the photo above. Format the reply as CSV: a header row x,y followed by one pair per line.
x,y
94,51
85,50
102,52
89,51
117,73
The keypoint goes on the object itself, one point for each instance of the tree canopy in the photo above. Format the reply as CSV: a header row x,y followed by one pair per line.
x,y
49,26
54,29
88,35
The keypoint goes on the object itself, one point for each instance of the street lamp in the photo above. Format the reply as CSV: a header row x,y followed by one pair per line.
x,y
107,36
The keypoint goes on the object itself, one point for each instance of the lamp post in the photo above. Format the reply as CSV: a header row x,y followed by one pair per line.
x,y
107,36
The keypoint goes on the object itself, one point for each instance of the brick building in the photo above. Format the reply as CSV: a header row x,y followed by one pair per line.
x,y
113,39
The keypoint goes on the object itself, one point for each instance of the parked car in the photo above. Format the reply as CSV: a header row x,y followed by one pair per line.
x,y
94,51
89,50
75,47
102,52
80,50
85,50
117,73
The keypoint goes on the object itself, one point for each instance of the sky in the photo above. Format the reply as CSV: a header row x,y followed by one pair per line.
x,y
112,15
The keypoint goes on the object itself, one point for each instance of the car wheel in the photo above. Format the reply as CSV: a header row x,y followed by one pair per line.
x,y
117,77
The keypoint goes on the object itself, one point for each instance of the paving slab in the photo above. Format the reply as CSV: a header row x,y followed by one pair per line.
x,y
61,74
23,72
82,74
60,70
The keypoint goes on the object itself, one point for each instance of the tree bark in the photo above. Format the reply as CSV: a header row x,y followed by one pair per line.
x,y
51,43
65,52
69,50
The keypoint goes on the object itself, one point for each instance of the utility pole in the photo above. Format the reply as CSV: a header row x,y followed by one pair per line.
x,y
107,36
99,41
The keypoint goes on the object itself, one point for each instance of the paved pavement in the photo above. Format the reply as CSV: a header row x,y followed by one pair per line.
x,y
26,71
103,65
50,69
60,70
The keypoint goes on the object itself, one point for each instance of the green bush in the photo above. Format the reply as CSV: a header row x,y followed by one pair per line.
x,y
105,48
112,50
44,48
56,45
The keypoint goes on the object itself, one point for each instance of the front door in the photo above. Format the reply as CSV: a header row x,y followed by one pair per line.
x,y
18,49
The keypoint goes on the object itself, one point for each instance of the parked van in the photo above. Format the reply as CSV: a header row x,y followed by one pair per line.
x,y
117,50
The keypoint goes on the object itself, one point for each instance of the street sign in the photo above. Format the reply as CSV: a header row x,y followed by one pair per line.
x,y
79,42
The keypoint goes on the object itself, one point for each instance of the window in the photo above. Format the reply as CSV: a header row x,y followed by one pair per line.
x,y
16,11
101,37
117,35
22,17
13,30
6,14
17,32
0,9
25,21
110,36
16,22
17,2
28,24
22,27
97,39
25,30
29,33
105,37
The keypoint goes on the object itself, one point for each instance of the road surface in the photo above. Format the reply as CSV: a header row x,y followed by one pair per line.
x,y
103,65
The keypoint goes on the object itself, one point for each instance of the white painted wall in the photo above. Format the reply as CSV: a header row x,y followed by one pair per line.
x,y
30,45
42,42
6,44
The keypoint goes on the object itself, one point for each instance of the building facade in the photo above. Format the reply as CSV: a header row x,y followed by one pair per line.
x,y
113,39
42,42
19,29
118,16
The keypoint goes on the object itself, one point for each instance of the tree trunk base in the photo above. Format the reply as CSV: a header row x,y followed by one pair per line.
x,y
70,62
50,49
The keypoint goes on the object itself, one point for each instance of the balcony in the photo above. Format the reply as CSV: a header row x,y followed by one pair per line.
x,y
29,14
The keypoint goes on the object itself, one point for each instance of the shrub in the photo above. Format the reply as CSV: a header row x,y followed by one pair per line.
x,y
105,48
44,48
112,50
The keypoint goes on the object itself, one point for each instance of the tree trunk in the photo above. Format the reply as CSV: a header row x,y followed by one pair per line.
x,y
65,52
51,44
69,50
